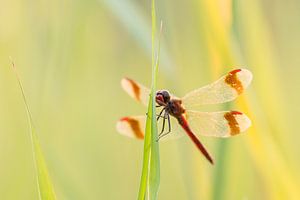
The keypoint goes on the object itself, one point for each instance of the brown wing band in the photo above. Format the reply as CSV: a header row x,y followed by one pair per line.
x,y
232,80
135,127
136,89
233,124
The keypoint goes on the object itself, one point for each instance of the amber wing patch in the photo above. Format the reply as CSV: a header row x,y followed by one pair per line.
x,y
135,126
233,80
232,122
135,89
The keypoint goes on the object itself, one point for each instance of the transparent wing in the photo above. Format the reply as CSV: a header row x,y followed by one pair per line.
x,y
227,88
137,91
134,127
218,124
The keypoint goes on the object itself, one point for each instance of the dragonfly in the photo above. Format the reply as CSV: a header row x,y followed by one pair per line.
x,y
179,113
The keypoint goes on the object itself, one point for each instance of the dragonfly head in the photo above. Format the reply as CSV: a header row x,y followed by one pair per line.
x,y
162,97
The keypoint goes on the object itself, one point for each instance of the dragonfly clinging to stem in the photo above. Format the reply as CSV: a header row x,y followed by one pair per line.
x,y
218,124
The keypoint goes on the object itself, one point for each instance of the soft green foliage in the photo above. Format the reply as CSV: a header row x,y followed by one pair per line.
x,y
151,168
44,184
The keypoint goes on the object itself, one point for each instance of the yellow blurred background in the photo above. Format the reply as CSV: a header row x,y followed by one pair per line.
x,y
71,56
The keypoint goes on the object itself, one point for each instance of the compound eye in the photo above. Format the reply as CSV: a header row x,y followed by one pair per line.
x,y
166,95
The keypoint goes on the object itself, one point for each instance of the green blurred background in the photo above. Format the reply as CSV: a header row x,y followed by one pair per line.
x,y
71,56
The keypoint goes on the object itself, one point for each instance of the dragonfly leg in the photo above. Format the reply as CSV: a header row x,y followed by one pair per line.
x,y
169,124
163,126
160,114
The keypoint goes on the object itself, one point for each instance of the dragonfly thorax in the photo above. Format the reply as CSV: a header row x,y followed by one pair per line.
x,y
174,107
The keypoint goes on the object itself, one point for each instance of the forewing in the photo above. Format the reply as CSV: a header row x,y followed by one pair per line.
x,y
226,89
218,124
134,127
137,91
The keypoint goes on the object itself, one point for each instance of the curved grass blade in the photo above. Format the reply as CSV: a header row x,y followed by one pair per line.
x,y
151,164
45,187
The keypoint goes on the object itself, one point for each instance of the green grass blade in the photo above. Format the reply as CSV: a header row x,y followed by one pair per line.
x,y
151,164
154,178
45,187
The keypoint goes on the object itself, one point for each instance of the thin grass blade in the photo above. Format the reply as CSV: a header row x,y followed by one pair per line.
x,y
45,186
151,164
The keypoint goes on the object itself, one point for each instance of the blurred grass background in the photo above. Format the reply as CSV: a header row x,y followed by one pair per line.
x,y
71,56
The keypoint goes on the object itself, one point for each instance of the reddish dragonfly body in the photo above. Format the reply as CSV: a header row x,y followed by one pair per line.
x,y
218,124
174,108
